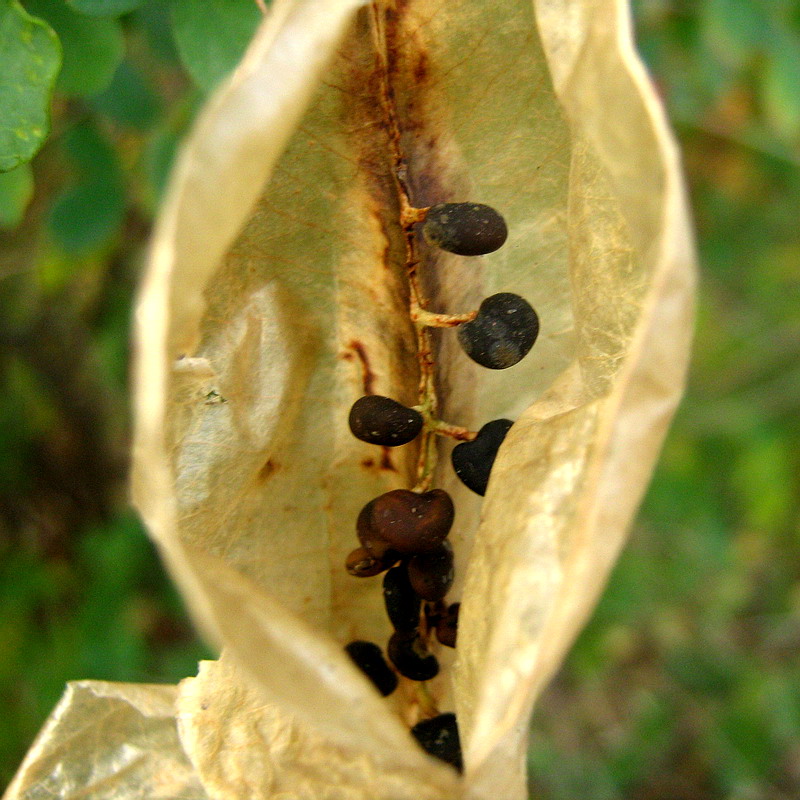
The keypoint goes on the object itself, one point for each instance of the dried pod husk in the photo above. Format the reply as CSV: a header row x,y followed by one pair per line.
x,y
431,574
263,316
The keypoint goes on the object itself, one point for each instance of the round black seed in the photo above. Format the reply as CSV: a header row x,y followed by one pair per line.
x,y
431,574
381,420
402,604
369,659
411,658
503,332
467,229
439,737
473,461
447,626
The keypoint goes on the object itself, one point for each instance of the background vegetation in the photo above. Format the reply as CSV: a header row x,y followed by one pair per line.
x,y
686,685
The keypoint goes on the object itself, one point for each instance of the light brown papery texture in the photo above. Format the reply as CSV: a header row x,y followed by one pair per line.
x,y
276,295
107,741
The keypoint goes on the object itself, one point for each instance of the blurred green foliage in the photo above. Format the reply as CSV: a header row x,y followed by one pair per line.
x,y
686,683
82,590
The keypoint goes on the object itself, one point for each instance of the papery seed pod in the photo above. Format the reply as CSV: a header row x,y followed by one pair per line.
x,y
503,332
369,659
473,461
467,229
431,574
411,658
403,606
362,564
405,521
381,420
447,626
439,737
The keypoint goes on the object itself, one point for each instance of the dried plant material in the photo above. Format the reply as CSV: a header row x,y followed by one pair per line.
x,y
278,293
244,747
107,741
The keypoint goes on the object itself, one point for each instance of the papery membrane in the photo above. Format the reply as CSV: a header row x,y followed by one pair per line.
x,y
109,741
307,311
276,295
244,747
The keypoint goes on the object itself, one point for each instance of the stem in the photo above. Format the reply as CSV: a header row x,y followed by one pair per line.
x,y
409,216
453,431
430,320
427,705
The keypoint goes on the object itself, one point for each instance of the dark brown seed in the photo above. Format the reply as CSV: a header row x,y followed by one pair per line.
x,y
381,420
402,604
362,564
503,332
370,539
411,658
467,229
431,574
447,626
439,737
406,521
473,461
369,659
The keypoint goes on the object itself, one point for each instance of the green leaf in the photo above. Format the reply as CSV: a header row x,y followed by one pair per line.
x,y
88,213
30,56
734,30
152,20
104,8
129,100
93,48
209,58
16,190
779,82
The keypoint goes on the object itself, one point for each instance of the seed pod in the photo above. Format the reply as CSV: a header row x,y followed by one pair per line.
x,y
447,626
362,564
405,521
381,420
369,659
467,229
402,604
473,461
439,737
431,574
411,658
503,332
